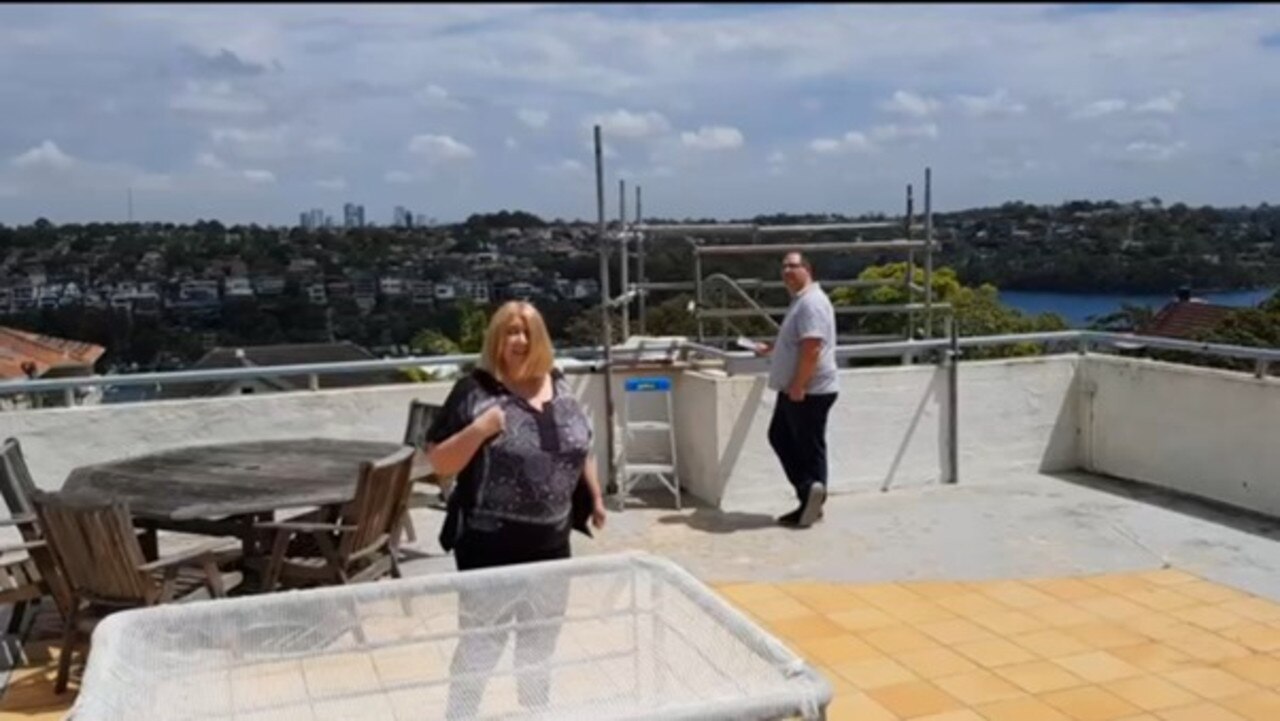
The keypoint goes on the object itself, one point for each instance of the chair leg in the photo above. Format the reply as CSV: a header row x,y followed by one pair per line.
x,y
15,620
68,646
410,533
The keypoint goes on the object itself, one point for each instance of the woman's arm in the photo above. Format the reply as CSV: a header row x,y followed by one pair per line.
x,y
455,452
597,498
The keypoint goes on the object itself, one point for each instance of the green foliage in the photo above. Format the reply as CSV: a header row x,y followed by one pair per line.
x,y
471,322
978,311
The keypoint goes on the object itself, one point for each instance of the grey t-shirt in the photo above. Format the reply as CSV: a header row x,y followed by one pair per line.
x,y
810,316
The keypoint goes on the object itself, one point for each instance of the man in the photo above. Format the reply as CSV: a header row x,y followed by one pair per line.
x,y
803,372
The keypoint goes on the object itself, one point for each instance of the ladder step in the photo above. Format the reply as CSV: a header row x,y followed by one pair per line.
x,y
638,468
648,426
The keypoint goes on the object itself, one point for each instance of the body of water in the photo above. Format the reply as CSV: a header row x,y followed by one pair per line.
x,y
1076,308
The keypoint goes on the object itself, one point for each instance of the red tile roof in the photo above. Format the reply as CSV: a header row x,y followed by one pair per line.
x,y
19,347
1186,319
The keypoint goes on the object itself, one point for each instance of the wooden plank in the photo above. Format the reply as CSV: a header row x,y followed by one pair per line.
x,y
232,479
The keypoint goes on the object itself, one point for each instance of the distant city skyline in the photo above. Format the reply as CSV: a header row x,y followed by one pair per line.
x,y
259,113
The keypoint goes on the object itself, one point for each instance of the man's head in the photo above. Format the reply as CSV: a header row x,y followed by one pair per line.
x,y
797,271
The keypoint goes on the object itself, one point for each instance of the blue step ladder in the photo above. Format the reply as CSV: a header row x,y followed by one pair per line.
x,y
663,471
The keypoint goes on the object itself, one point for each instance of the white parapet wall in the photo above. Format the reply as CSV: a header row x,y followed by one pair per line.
x,y
888,428
1202,432
1199,431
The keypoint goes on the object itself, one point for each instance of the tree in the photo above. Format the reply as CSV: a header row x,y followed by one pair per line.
x,y
977,311
472,322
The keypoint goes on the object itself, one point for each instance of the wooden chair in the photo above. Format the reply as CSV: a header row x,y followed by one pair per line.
x,y
359,545
101,559
421,416
39,568
20,580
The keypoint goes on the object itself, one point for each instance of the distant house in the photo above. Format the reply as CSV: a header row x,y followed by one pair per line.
x,y
280,355
31,355
1186,318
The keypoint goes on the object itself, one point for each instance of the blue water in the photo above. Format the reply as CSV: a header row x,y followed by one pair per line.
x,y
1076,308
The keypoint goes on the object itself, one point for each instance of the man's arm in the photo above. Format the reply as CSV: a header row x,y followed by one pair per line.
x,y
806,364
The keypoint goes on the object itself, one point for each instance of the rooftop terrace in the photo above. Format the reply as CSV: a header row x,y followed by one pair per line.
x,y
1108,552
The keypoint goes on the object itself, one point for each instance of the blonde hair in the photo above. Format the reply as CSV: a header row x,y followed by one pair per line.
x,y
541,357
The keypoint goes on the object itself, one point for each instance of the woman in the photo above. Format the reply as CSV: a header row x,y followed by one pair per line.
x,y
520,445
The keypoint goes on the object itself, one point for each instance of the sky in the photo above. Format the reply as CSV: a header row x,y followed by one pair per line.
x,y
254,113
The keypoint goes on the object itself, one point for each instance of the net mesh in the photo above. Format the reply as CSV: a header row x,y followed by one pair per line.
x,y
627,636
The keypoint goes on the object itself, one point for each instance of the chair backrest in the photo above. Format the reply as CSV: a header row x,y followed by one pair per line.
x,y
382,495
16,483
17,487
96,547
421,415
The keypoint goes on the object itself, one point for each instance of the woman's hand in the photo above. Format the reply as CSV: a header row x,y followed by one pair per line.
x,y
491,422
598,514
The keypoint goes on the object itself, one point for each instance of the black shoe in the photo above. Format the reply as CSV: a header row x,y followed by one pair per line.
x,y
812,509
792,518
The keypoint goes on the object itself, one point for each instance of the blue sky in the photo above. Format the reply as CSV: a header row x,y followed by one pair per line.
x,y
254,113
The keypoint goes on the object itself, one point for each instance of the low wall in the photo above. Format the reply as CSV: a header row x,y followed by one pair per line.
x,y
1198,431
888,427
1204,432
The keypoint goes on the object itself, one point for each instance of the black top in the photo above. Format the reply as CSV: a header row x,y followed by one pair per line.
x,y
528,474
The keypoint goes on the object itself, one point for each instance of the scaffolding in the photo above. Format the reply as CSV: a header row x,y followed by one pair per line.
x,y
707,288
919,297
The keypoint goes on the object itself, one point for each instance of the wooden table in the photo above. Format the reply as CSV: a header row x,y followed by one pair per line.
x,y
223,489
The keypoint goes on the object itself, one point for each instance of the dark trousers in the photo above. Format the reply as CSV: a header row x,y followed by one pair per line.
x,y
534,612
798,434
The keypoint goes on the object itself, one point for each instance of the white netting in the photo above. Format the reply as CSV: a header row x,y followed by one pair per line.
x,y
628,636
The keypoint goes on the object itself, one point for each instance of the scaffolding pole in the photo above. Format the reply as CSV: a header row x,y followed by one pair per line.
x,y
624,280
911,265
640,264
928,252
610,480
703,229
767,248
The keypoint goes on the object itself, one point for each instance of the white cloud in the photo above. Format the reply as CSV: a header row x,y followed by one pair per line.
x,y
327,144
1100,108
907,103
1166,104
216,98
434,96
892,132
626,124
439,148
997,103
777,158
267,143
535,119
260,177
511,143
397,176
1152,152
568,166
853,141
210,161
716,137
44,155
332,184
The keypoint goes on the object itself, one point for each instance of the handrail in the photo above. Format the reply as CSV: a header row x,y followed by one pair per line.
x,y
1081,338
725,280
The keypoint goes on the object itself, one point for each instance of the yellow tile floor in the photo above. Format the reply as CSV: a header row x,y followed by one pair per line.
x,y
1157,646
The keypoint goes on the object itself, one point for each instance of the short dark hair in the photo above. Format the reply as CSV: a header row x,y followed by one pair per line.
x,y
804,260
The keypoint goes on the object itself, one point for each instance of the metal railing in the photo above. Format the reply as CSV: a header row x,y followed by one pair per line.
x,y
734,361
